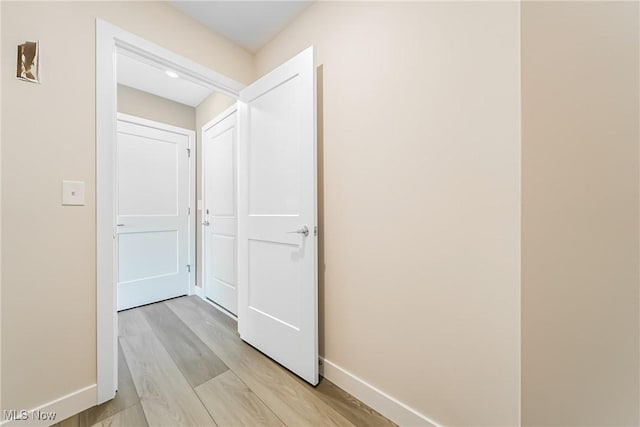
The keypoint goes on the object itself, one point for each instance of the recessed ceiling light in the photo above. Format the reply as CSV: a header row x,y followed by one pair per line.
x,y
172,74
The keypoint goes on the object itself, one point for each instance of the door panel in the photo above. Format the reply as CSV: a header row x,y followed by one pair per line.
x,y
221,156
220,223
147,167
152,212
148,254
272,272
277,242
274,162
223,263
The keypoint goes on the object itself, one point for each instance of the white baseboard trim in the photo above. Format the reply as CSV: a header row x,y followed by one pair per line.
x,y
377,399
63,407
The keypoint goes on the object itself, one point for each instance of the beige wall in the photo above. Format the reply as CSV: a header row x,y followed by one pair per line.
x,y
580,183
420,193
142,104
48,251
208,109
419,188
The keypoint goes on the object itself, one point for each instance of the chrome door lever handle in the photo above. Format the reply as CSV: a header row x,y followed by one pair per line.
x,y
119,225
205,223
304,230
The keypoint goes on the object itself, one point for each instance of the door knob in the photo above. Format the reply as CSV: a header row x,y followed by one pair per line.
x,y
304,230
205,223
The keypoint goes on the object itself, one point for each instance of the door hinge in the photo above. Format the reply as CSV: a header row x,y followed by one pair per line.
x,y
188,268
189,211
188,152
315,230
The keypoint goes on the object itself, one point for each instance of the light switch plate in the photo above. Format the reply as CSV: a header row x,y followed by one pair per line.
x,y
72,193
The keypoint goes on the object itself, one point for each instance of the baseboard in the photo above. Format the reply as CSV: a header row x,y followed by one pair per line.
x,y
377,399
63,408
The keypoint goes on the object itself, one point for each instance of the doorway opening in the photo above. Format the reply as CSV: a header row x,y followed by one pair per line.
x,y
271,207
161,214
113,42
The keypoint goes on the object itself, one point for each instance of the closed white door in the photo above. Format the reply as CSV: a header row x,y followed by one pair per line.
x,y
219,226
277,257
153,194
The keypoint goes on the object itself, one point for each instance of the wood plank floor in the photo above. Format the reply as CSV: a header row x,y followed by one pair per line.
x,y
182,363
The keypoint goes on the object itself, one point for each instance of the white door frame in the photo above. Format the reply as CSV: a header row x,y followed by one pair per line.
x,y
202,269
191,135
110,40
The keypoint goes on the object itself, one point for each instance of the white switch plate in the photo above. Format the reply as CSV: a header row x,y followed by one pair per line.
x,y
72,193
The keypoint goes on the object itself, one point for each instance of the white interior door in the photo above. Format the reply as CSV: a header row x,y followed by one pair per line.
x,y
219,210
277,242
153,194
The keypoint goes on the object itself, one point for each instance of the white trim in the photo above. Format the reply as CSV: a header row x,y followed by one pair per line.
x,y
110,40
64,407
106,320
217,119
377,399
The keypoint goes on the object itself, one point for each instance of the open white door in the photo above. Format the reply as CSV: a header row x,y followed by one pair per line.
x,y
277,233
219,212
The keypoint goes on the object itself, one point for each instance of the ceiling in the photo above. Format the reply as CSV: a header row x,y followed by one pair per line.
x,y
251,24
151,78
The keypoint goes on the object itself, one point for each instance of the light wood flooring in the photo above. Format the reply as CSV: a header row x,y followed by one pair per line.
x,y
182,363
